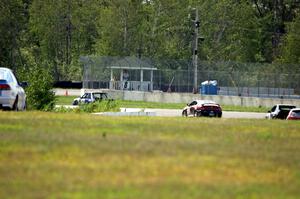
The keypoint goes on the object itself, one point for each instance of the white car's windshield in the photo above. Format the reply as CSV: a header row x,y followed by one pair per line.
x,y
86,96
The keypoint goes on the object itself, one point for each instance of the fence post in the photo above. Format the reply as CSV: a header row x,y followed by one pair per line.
x,y
258,87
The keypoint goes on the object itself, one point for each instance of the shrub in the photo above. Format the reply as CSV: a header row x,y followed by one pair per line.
x,y
39,90
98,106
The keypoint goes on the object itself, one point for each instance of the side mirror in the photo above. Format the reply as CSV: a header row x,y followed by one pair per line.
x,y
23,84
269,111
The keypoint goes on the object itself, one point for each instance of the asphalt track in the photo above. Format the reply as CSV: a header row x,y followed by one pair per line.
x,y
174,113
177,112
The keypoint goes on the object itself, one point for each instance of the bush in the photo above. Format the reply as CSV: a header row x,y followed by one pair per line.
x,y
39,90
98,106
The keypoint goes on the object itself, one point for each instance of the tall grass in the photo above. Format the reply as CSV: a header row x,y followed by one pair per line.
x,y
98,106
50,155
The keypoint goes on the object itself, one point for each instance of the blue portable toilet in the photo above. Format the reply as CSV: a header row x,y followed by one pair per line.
x,y
209,87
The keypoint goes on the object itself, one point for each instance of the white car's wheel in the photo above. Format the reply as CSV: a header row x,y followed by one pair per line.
x,y
25,105
15,105
75,102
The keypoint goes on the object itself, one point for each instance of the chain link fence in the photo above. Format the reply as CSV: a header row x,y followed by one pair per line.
x,y
235,79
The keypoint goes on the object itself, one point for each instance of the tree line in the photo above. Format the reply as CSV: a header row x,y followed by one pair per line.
x,y
53,34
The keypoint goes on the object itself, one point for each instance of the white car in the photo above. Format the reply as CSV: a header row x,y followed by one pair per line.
x,y
294,114
89,97
12,95
279,111
202,108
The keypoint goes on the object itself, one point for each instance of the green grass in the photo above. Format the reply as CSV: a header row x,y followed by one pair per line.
x,y
67,100
50,155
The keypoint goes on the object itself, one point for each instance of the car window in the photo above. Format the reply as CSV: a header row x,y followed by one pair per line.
x,y
296,113
193,103
2,74
6,75
96,95
273,109
104,96
86,96
285,107
100,96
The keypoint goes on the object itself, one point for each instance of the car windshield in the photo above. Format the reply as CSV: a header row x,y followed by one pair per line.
x,y
193,103
296,113
273,109
86,95
286,107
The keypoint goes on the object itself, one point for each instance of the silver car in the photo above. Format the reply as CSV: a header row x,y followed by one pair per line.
x,y
12,95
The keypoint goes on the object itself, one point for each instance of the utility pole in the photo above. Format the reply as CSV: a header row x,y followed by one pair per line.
x,y
195,52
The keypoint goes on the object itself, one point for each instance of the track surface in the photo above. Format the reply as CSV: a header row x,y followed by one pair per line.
x,y
177,112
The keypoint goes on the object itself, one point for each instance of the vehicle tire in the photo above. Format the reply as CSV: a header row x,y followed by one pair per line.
x,y
15,105
25,106
199,114
184,113
75,102
195,113
220,115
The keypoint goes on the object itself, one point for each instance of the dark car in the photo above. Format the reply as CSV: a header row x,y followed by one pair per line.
x,y
199,108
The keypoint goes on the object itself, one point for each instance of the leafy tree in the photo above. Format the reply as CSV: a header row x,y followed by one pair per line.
x,y
149,28
39,90
12,23
290,49
62,31
278,13
35,32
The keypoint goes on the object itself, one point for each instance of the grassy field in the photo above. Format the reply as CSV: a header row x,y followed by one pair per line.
x,y
67,100
50,155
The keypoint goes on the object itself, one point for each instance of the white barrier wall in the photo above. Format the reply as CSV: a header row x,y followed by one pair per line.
x,y
184,98
187,97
